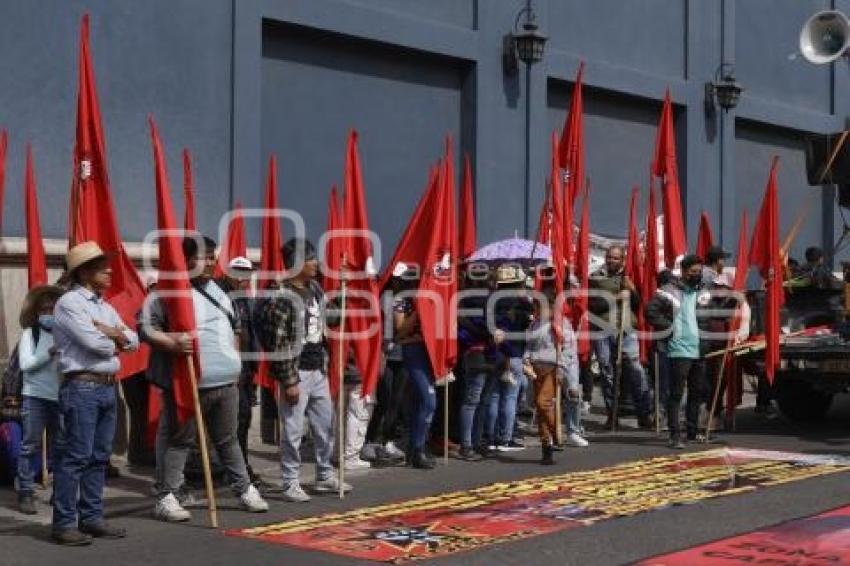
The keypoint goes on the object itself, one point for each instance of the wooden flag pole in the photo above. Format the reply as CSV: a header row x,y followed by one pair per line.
x,y
714,398
618,369
340,391
657,393
44,458
446,422
202,437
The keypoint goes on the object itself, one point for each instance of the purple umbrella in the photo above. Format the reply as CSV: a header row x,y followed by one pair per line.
x,y
513,249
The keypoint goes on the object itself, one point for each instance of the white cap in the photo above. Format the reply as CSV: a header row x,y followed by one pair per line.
x,y
399,269
241,263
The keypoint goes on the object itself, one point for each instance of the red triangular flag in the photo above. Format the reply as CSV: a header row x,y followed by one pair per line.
x,y
583,274
36,258
333,248
271,259
92,212
559,259
572,152
742,260
766,255
189,223
705,239
467,213
544,222
234,245
664,165
412,245
4,139
633,267
174,291
438,285
364,318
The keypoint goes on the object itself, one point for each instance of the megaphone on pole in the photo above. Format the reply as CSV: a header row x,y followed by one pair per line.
x,y
825,37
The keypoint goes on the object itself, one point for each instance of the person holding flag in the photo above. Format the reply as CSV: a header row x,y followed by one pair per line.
x,y
292,329
88,334
217,328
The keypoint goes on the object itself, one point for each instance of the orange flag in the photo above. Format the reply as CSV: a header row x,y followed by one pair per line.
x,y
92,212
36,258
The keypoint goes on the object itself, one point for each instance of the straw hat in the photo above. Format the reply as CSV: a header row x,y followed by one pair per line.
x,y
82,254
508,274
33,300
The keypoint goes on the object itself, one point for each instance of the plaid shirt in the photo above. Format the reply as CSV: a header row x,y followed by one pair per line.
x,y
282,329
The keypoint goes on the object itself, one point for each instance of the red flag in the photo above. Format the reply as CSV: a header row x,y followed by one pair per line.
x,y
174,291
649,269
271,241
333,250
664,166
544,222
766,255
4,138
36,259
633,267
467,213
412,244
705,239
234,244
572,153
558,239
583,275
92,212
189,223
438,285
271,259
742,261
364,316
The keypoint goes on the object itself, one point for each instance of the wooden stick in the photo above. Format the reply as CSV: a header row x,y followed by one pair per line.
x,y
559,433
446,422
202,436
833,156
618,369
657,393
716,395
44,458
340,392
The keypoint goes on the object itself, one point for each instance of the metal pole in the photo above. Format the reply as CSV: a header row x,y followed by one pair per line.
x,y
527,195
340,392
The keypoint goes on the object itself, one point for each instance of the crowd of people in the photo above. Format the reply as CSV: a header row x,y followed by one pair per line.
x,y
521,361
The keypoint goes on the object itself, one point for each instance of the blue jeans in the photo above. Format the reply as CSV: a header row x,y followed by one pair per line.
x,y
87,428
478,387
36,415
633,374
420,382
503,404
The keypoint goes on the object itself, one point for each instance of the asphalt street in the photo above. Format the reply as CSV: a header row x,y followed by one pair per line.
x,y
24,540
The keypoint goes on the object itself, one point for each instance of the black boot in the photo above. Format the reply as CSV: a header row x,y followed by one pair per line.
x,y
547,459
421,461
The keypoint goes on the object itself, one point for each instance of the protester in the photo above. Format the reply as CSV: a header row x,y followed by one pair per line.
x,y
512,316
88,335
483,364
236,282
358,411
293,333
674,311
548,358
815,273
715,263
38,361
611,288
216,334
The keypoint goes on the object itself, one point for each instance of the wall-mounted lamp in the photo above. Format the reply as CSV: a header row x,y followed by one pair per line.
x,y
724,91
525,45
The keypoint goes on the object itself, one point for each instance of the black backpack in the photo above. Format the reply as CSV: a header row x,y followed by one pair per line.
x,y
11,389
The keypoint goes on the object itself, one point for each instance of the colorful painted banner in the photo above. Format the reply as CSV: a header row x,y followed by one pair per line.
x,y
502,512
812,541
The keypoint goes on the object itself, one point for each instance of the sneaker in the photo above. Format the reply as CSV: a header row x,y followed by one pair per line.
x,y
393,451
469,454
575,439
676,443
26,504
330,485
517,443
509,447
186,498
103,529
168,509
70,537
356,464
252,501
295,494
585,408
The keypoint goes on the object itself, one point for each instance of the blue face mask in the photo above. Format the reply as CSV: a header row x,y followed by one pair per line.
x,y
46,321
